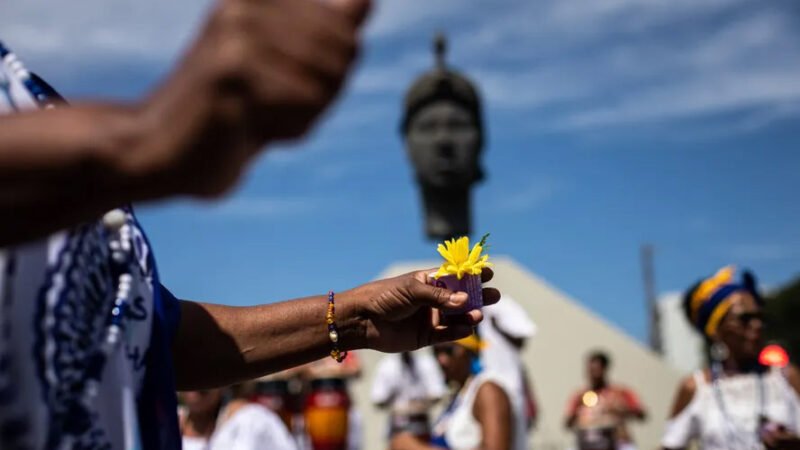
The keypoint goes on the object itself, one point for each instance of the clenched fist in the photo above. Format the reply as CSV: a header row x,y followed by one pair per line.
x,y
261,70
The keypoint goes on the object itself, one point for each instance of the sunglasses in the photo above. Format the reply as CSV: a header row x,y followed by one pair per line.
x,y
745,318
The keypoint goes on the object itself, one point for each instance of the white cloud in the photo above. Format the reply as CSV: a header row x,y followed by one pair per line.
x,y
89,32
578,65
569,64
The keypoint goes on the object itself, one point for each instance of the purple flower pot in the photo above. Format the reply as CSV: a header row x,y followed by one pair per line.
x,y
471,284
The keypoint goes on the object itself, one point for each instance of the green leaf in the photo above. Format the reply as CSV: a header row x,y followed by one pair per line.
x,y
482,243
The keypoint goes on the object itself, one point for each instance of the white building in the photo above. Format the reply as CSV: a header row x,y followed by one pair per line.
x,y
682,345
566,332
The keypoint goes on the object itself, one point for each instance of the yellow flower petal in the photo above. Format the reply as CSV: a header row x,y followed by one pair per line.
x,y
459,259
445,253
475,253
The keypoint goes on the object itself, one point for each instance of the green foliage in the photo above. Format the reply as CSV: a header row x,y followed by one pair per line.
x,y
782,314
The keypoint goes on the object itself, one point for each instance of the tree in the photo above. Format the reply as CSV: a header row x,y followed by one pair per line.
x,y
782,314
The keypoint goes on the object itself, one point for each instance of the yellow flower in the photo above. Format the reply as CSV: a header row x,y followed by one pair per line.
x,y
459,260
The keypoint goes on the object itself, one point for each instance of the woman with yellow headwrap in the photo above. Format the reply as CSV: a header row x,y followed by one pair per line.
x,y
739,402
480,415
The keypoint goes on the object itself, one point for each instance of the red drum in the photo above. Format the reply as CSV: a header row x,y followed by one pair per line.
x,y
326,414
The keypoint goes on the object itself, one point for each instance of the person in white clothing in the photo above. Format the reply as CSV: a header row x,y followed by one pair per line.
x,y
740,402
506,329
480,415
198,417
239,425
408,385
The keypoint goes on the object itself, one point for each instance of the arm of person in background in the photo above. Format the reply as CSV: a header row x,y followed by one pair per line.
x,y
260,71
630,407
571,416
493,411
218,345
678,432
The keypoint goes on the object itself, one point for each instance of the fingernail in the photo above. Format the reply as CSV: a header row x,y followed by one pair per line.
x,y
458,298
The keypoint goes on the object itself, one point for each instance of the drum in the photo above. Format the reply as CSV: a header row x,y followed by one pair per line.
x,y
326,414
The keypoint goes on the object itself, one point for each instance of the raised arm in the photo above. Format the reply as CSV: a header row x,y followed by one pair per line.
x,y
260,71
219,345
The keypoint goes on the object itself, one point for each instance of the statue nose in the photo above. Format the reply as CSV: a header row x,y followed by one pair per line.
x,y
445,149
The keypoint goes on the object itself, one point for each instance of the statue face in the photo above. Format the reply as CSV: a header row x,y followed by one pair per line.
x,y
443,143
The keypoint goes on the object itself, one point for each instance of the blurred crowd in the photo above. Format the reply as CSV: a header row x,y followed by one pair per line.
x,y
476,392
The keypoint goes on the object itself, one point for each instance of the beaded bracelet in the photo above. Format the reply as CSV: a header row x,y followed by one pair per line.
x,y
333,333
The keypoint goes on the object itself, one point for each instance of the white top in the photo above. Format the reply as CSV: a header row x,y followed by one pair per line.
x,y
703,419
251,427
499,356
195,443
458,425
400,385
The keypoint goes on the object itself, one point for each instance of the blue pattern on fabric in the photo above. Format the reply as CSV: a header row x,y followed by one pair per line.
x,y
68,332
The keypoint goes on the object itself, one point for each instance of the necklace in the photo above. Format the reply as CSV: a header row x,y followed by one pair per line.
x,y
735,433
120,247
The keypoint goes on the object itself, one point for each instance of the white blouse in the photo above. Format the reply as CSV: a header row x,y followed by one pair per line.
x,y
725,416
458,426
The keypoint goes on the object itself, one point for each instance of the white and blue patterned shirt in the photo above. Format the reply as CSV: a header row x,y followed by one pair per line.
x,y
56,295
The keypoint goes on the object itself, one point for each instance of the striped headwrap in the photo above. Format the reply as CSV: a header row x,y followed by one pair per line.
x,y
710,299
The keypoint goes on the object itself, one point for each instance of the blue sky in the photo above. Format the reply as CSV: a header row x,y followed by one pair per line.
x,y
611,123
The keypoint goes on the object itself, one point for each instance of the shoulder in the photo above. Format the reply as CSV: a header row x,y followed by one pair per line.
x,y
793,376
621,389
491,398
626,391
687,389
491,387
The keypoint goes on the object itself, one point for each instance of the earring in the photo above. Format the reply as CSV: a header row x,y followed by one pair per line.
x,y
475,366
719,351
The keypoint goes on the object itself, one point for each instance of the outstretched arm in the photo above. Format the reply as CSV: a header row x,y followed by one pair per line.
x,y
219,345
259,72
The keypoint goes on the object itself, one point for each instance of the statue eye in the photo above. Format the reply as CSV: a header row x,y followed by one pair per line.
x,y
425,126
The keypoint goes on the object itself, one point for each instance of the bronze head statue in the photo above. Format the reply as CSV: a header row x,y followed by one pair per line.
x,y
443,131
